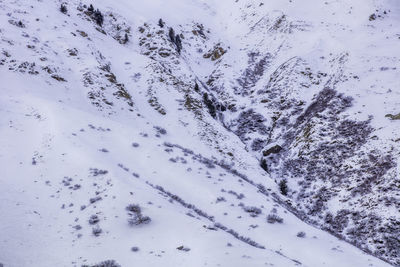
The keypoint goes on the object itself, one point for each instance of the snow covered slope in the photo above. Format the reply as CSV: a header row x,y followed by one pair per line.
x,y
126,143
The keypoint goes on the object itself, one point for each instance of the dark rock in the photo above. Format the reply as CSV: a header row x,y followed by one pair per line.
x,y
272,150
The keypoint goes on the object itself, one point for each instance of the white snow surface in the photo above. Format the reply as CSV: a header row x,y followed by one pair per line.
x,y
52,138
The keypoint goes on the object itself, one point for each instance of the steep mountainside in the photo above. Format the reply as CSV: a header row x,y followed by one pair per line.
x,y
200,133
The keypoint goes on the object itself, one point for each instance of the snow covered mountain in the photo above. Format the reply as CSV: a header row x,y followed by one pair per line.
x,y
200,133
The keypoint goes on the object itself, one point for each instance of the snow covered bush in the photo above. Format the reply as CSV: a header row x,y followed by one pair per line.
x,y
97,231
183,248
301,234
135,215
253,211
273,218
94,219
63,9
107,263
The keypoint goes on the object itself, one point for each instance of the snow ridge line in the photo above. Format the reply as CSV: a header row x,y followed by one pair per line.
x,y
261,188
203,214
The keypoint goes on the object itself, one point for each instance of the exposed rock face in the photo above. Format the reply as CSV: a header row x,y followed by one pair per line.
x,y
341,170
273,150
